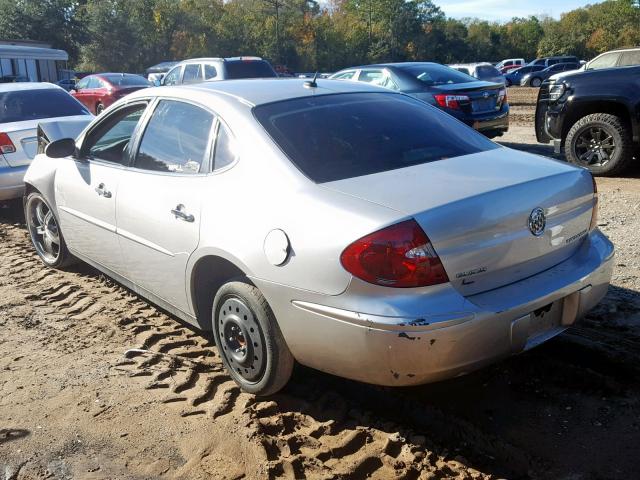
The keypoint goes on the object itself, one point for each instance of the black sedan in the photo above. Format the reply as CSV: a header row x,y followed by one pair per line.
x,y
535,79
481,105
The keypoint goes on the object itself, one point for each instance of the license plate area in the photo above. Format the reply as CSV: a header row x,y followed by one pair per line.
x,y
545,318
537,326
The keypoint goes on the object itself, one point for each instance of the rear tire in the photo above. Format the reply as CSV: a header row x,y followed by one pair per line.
x,y
249,340
600,142
45,232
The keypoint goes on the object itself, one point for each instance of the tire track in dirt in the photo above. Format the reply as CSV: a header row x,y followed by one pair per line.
x,y
309,430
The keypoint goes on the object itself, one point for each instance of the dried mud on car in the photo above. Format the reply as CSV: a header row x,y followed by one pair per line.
x,y
96,383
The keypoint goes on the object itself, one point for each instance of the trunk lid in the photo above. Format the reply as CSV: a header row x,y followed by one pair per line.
x,y
483,95
475,209
24,137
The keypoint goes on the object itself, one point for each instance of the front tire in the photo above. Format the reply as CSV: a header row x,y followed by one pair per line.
x,y
249,340
600,142
535,82
45,232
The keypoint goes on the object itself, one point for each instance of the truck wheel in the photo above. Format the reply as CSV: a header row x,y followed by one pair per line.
x,y
249,340
600,142
535,82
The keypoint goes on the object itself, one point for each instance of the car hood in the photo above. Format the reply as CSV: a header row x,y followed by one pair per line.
x,y
557,76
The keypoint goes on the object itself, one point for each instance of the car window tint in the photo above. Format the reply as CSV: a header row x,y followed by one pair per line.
x,y
249,69
225,150
173,77
111,139
191,73
604,61
20,105
176,138
631,57
333,137
93,83
485,71
210,72
127,80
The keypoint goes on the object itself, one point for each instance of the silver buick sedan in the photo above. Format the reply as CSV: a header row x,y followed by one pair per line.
x,y
355,230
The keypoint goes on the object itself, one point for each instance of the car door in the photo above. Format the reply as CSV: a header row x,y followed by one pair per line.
x,y
86,188
159,198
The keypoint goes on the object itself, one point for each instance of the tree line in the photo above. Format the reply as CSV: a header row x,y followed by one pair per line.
x,y
305,35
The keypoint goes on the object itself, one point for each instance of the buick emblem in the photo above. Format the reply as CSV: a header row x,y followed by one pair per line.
x,y
537,221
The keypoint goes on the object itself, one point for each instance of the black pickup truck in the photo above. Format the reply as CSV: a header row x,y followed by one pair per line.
x,y
594,116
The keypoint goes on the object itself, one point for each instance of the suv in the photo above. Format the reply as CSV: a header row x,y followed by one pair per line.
x,y
592,115
548,61
201,69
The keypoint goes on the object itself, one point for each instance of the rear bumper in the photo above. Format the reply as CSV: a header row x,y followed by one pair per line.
x,y
491,122
12,182
454,335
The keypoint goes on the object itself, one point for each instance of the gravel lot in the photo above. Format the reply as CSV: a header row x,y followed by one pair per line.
x,y
97,384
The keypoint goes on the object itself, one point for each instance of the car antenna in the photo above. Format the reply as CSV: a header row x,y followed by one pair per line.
x,y
312,83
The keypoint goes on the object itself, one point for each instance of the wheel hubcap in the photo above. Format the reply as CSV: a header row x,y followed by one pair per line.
x,y
44,230
241,339
594,147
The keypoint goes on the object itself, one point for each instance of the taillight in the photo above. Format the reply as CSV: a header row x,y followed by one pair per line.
x,y
6,145
594,212
502,97
397,256
450,101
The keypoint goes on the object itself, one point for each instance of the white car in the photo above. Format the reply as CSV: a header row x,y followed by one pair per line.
x,y
22,106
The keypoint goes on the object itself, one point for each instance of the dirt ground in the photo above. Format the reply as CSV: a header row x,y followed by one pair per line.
x,y
95,383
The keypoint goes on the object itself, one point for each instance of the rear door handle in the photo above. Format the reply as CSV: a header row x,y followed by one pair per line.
x,y
179,212
100,190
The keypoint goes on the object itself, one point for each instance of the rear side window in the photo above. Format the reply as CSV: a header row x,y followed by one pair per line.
x,y
434,74
344,75
176,139
209,71
225,150
333,137
630,58
249,69
35,104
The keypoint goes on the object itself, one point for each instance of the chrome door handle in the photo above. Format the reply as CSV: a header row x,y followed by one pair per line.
x,y
179,212
100,190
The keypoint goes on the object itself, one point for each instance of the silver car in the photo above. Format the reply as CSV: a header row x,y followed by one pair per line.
x,y
353,229
22,106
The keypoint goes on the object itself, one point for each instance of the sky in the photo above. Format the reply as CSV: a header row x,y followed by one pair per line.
x,y
502,10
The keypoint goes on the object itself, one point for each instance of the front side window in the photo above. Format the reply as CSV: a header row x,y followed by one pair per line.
x,y
173,77
607,60
176,139
109,141
339,136
191,73
82,83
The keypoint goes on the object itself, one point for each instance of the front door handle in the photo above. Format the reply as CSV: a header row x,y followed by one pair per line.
x,y
179,212
100,190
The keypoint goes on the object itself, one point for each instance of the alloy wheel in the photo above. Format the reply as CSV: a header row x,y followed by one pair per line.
x,y
594,147
44,230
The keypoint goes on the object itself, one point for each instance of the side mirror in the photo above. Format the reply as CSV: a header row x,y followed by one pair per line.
x,y
65,147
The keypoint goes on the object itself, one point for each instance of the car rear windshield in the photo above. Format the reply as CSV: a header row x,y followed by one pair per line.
x,y
339,136
249,69
127,80
434,74
34,104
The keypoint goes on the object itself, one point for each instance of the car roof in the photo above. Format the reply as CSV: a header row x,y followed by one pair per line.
x,y
22,86
255,92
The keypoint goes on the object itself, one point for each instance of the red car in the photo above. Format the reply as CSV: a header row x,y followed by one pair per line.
x,y
97,92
